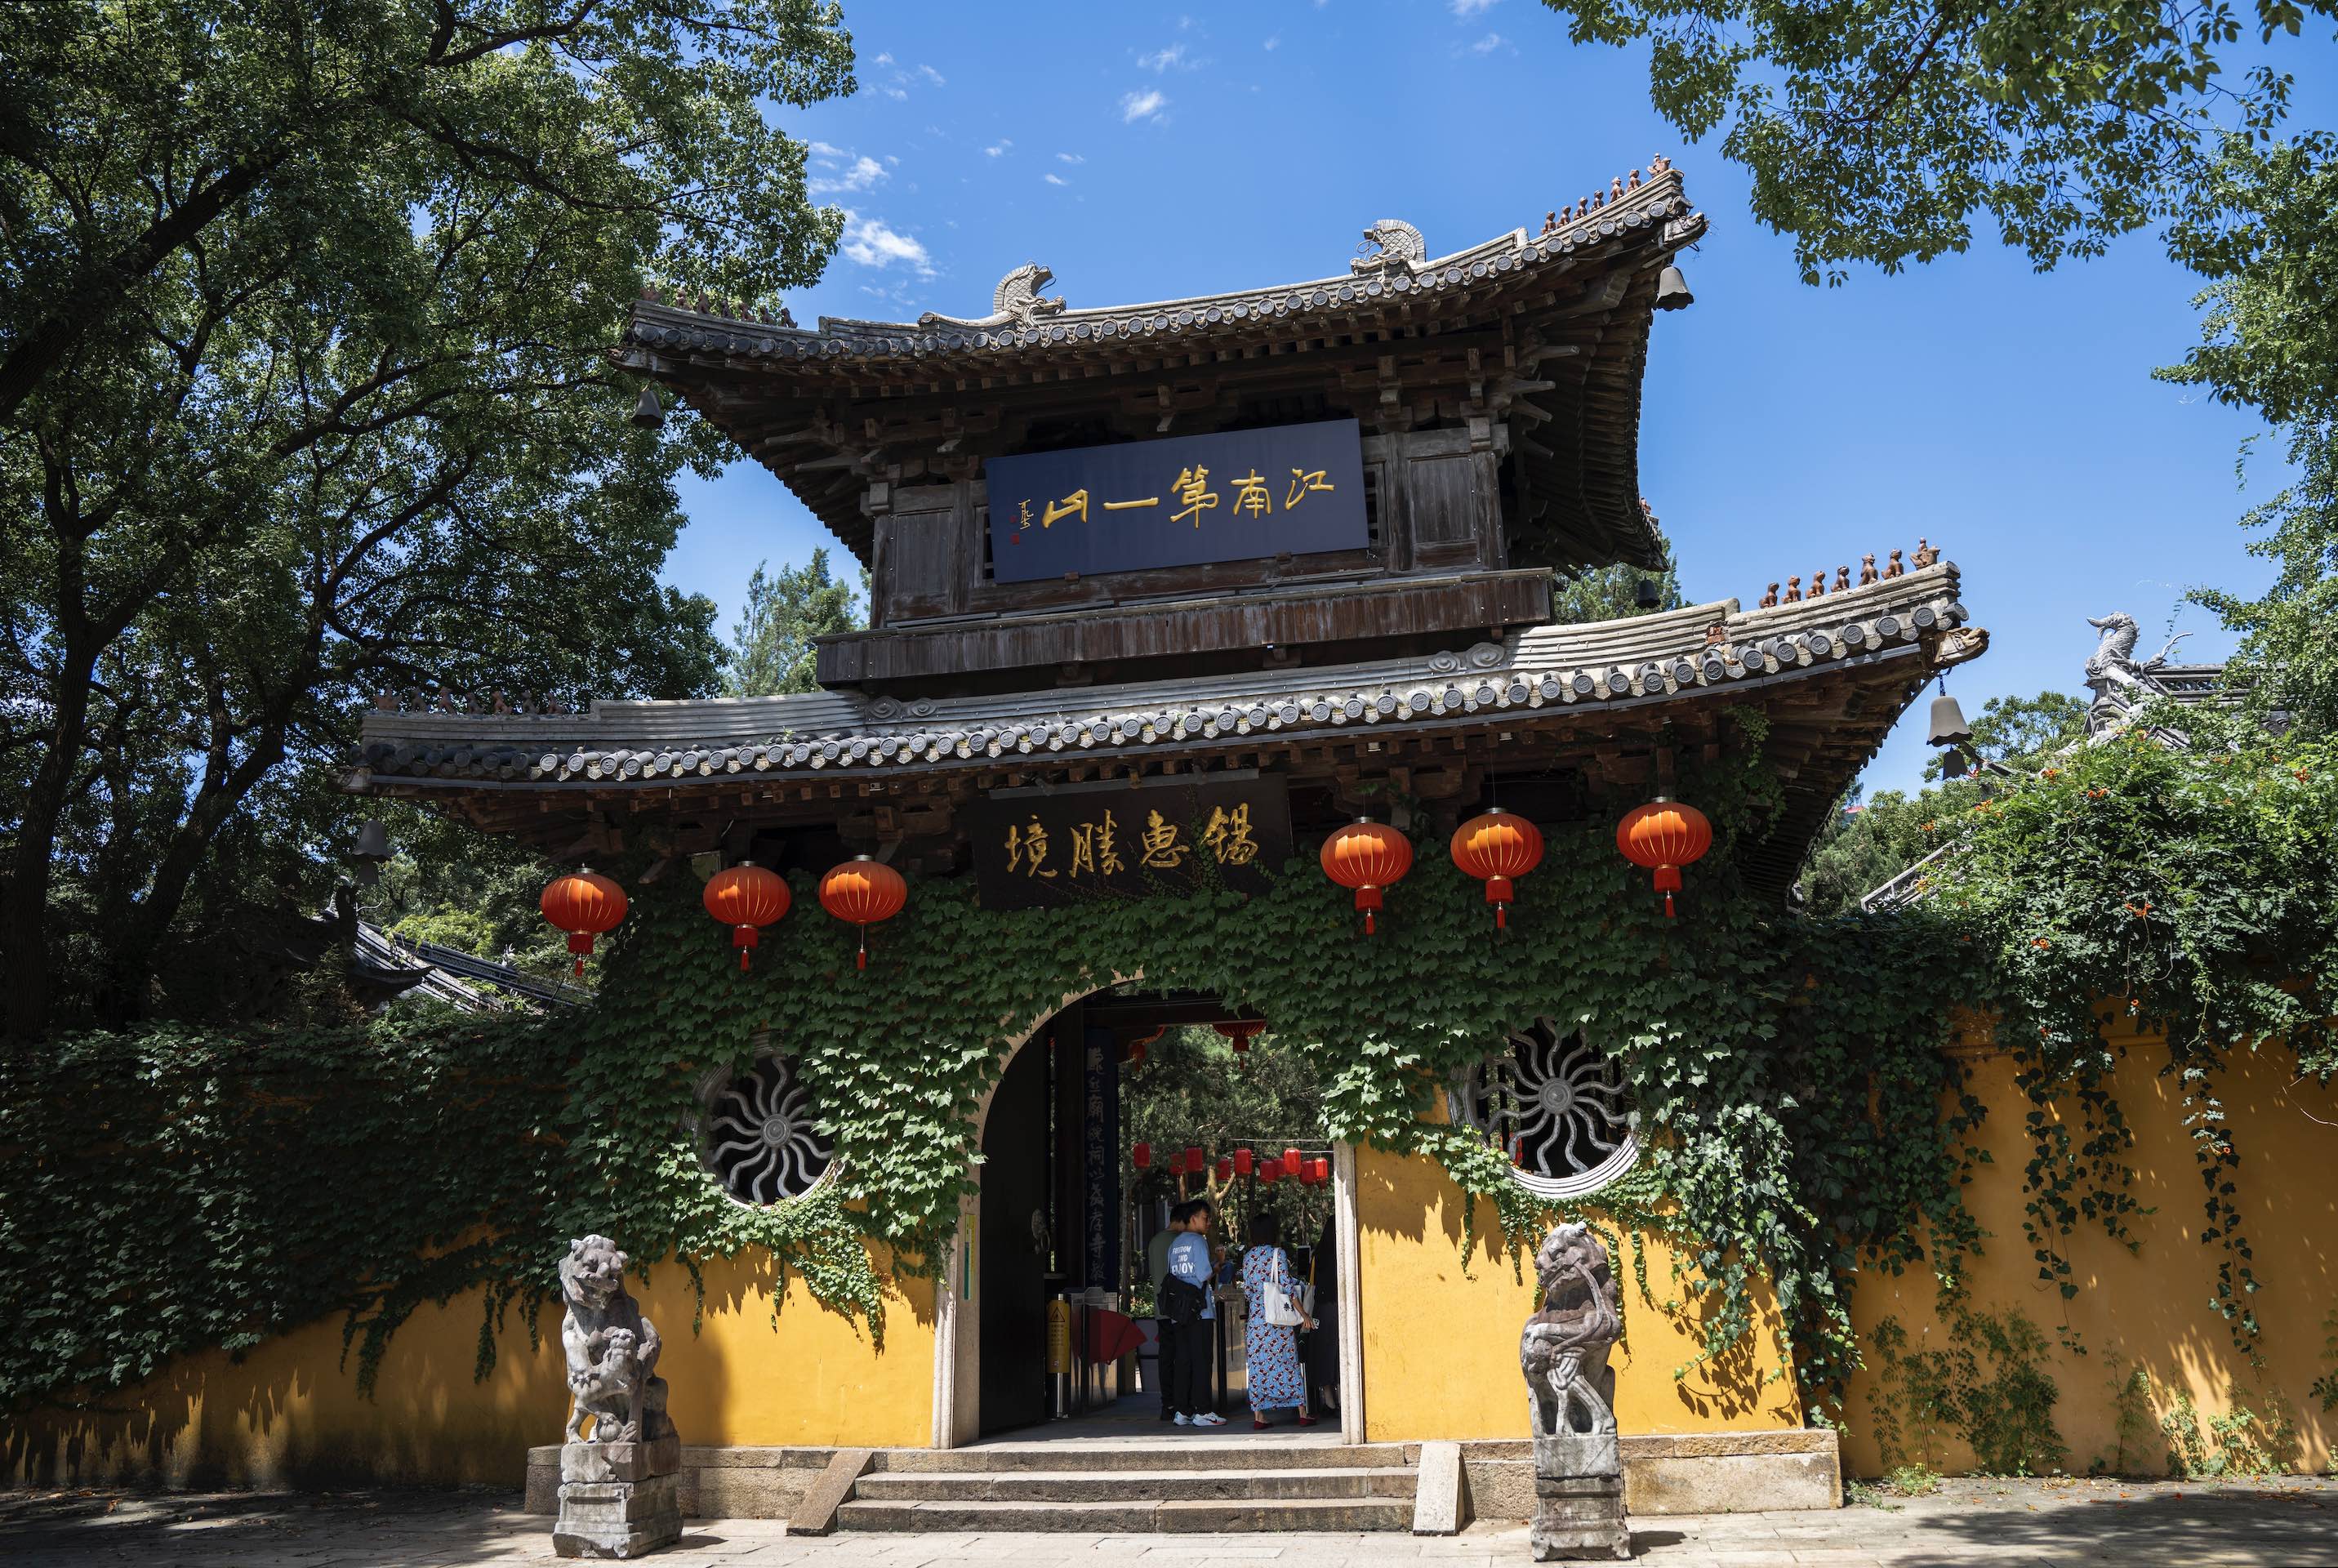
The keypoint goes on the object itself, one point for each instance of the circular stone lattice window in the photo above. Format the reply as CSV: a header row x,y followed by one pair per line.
x,y
1557,1106
758,1135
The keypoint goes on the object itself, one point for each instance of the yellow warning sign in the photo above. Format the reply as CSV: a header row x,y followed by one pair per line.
x,y
1059,1338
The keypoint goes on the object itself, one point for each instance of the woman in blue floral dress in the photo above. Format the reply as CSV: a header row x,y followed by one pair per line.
x,y
1272,1352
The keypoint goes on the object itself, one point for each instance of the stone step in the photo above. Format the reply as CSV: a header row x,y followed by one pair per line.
x,y
1169,1454
1246,1484
1195,1516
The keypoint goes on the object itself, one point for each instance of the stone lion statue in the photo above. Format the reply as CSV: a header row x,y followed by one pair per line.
x,y
1570,1387
612,1350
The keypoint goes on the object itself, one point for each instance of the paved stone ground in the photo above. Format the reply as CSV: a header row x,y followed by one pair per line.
x,y
2266,1524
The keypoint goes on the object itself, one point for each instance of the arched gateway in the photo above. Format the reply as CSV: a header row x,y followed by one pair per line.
x,y
1161,597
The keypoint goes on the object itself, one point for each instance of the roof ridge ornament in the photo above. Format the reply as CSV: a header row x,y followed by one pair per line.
x,y
1016,301
1400,247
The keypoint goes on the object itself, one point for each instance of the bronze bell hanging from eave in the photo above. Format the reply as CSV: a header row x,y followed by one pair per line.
x,y
646,412
1672,290
1948,726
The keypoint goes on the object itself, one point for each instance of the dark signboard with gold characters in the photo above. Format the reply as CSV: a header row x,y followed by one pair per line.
x,y
1035,848
1235,495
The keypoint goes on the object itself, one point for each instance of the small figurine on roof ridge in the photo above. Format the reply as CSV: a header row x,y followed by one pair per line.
x,y
1894,569
1818,582
1925,554
1867,572
1770,600
1794,589
1842,579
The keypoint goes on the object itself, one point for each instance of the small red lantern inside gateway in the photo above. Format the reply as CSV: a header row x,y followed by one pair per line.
x,y
1291,1161
1225,1169
586,904
1369,857
863,892
1663,836
1243,1161
1192,1161
1141,1156
744,897
1494,848
1240,1030
1321,1169
1270,1172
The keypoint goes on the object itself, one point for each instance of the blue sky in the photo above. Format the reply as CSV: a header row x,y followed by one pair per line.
x,y
2006,416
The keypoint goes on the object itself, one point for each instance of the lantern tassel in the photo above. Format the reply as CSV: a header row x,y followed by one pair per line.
x,y
580,968
862,960
1368,922
1668,905
1501,917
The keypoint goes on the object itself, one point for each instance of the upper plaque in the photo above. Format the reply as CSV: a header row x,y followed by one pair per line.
x,y
1186,501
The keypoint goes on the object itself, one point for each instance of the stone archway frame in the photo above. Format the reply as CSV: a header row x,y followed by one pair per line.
x,y
958,1321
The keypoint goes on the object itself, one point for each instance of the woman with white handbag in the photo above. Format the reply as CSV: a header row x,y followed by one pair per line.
x,y
1270,1343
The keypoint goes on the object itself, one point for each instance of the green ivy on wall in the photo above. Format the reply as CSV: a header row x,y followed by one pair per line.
x,y
167,1192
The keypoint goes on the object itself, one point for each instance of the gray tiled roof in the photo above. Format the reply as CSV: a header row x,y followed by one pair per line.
x,y
1609,663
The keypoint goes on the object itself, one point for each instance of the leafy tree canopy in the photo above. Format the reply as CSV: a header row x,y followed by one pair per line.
x,y
771,651
2269,243
1875,130
304,307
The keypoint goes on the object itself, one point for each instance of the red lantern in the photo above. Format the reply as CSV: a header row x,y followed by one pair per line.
x,y
745,897
1141,1156
1225,1169
1494,848
1240,1030
1243,1159
1369,858
1663,836
1270,1172
1136,1055
863,892
1323,1168
586,904
1290,1160
1194,1161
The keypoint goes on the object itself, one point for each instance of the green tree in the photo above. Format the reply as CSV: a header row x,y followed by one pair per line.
x,y
1613,593
2268,240
771,651
1875,130
1867,843
304,396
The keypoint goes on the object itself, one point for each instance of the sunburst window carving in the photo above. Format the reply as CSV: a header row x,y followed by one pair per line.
x,y
1557,1106
759,1135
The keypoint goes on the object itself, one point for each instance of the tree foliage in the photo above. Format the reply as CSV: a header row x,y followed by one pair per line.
x,y
2268,240
303,398
771,651
1876,130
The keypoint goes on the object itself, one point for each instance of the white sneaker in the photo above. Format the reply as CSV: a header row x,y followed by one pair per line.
x,y
1209,1418
1180,1419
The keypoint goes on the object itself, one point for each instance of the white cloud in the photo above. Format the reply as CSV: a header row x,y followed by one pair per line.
x,y
1488,44
864,172
1055,179
996,149
1145,105
872,243
932,75
1160,60
1069,158
882,60
1465,9
823,149
1273,43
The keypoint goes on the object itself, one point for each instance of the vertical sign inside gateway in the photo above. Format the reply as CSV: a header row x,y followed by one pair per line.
x,y
1236,496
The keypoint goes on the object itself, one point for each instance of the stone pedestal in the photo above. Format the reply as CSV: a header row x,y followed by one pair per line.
x,y
1580,1516
618,1499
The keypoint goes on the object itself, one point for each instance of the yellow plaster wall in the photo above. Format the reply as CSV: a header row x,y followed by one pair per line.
x,y
289,1410
1441,1346
2151,1308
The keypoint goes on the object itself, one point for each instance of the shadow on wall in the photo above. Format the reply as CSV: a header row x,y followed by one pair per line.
x,y
2138,1364
1441,1339
288,1412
